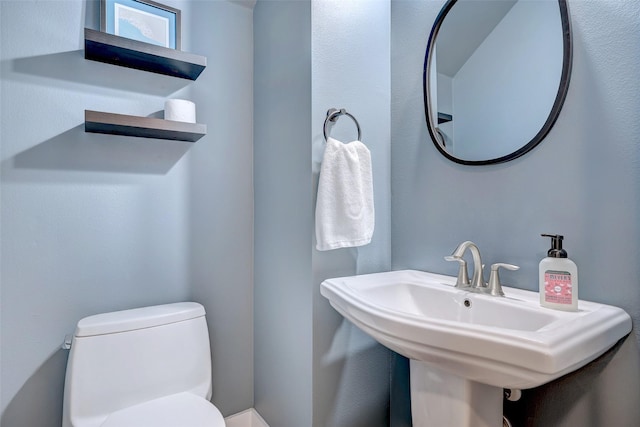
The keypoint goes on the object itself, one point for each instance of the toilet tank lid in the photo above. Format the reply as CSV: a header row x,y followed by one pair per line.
x,y
138,318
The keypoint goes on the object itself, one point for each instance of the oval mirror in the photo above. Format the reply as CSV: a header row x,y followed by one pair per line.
x,y
496,73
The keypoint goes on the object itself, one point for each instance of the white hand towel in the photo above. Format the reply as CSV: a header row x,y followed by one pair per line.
x,y
345,216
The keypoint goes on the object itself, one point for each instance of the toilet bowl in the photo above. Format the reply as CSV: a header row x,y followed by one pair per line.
x,y
143,367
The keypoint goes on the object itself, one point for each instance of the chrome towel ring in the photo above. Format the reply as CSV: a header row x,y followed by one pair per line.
x,y
332,116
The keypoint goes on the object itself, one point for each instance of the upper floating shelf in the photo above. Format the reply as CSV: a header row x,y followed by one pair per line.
x,y
444,118
105,47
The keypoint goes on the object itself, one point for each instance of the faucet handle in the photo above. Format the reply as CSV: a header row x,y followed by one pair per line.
x,y
463,275
494,286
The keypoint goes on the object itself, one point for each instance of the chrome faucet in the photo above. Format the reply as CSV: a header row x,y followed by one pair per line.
x,y
477,280
477,283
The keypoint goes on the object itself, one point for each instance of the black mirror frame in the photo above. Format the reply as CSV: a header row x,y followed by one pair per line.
x,y
555,110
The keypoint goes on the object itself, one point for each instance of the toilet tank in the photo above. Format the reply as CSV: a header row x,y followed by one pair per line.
x,y
128,357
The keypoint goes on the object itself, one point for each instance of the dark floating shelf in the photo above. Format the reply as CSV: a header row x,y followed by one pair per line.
x,y
105,47
145,127
444,118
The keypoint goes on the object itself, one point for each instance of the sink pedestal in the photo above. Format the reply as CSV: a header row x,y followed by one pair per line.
x,y
439,398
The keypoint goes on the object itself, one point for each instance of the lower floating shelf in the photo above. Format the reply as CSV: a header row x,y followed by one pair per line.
x,y
145,127
444,118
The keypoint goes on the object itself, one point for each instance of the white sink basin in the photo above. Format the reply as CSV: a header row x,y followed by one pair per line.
x,y
507,342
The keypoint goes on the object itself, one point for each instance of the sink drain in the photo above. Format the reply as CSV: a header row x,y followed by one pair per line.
x,y
467,302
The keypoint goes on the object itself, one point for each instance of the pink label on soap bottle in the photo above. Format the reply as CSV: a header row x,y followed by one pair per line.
x,y
557,287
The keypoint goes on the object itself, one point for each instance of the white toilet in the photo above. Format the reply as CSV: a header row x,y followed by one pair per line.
x,y
146,367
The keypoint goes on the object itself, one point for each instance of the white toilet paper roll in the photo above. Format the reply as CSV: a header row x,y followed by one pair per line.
x,y
180,110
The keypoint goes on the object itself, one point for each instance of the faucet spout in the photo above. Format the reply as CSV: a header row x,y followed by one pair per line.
x,y
477,280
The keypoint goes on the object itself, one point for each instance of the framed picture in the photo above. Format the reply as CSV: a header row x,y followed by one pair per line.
x,y
141,20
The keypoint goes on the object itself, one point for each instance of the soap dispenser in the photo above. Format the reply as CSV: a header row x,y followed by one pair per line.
x,y
558,278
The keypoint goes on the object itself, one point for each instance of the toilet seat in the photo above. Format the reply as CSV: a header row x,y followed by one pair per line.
x,y
177,410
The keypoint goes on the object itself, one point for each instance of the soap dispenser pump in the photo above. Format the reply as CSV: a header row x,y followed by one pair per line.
x,y
558,278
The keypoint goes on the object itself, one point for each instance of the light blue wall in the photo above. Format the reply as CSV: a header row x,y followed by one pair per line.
x,y
221,193
312,367
283,342
94,223
582,181
351,70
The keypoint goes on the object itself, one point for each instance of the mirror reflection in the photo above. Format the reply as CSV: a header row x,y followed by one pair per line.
x,y
496,74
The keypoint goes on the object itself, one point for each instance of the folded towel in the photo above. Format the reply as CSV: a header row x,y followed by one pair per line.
x,y
344,209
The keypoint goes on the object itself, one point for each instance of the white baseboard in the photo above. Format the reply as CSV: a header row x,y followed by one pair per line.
x,y
248,418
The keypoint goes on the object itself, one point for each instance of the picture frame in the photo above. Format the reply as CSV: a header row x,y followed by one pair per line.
x,y
142,20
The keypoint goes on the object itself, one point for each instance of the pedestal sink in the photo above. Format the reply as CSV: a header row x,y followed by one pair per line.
x,y
465,348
